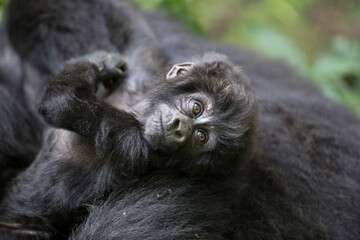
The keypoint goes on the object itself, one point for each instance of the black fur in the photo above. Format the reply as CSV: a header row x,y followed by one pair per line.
x,y
20,139
304,182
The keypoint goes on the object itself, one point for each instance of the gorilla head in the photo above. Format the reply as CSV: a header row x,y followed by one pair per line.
x,y
203,116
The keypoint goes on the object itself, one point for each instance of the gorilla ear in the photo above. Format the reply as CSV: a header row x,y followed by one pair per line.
x,y
180,69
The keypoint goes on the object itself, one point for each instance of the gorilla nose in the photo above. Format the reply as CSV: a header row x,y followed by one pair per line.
x,y
178,129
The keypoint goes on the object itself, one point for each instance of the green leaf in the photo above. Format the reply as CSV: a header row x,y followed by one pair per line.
x,y
276,45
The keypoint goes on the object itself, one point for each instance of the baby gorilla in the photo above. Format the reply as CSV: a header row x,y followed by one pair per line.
x,y
201,119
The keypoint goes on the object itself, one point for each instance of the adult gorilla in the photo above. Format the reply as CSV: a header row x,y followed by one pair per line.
x,y
304,182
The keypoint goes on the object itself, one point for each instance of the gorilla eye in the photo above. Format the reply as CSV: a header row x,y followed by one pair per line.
x,y
197,109
202,136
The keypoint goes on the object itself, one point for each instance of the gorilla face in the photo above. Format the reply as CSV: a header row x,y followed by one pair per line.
x,y
202,116
187,121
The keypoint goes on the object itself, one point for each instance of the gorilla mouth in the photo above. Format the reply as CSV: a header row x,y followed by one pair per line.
x,y
161,126
162,134
157,133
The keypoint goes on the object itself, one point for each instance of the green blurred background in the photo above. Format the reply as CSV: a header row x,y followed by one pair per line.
x,y
320,38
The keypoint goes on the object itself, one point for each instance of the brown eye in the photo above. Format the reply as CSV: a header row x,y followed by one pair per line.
x,y
202,136
197,109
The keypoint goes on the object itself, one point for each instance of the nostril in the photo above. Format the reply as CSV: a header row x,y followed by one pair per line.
x,y
178,134
122,66
175,124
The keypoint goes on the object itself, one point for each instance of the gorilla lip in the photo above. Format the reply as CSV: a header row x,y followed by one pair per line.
x,y
161,124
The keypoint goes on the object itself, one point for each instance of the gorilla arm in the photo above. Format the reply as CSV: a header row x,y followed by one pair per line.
x,y
70,103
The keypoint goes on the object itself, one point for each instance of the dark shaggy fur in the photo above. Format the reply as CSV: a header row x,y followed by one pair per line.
x,y
303,184
20,139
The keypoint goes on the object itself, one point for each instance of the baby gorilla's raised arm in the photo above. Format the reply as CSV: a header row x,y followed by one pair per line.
x,y
70,103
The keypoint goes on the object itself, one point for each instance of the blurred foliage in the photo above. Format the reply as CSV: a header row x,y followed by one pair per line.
x,y
1,7
178,9
320,38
